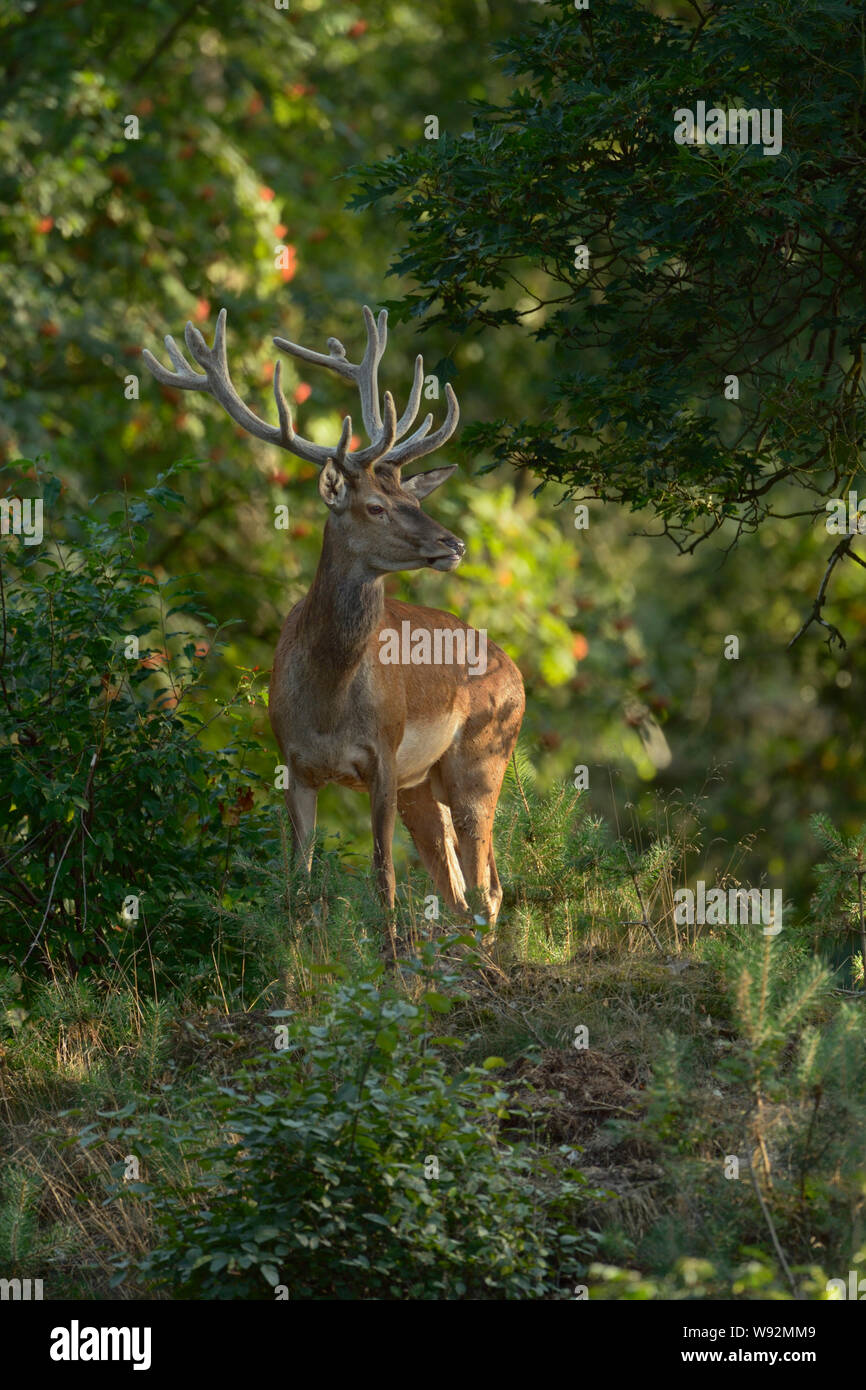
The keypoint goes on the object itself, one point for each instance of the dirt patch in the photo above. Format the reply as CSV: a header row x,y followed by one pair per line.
x,y
592,1100
218,1043
575,1092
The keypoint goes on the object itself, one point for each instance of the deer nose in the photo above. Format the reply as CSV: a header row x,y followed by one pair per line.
x,y
456,545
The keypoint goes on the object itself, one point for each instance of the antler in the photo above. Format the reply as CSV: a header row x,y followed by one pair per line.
x,y
382,426
365,374
218,383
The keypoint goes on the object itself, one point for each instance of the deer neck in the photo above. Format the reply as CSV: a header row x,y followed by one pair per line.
x,y
344,608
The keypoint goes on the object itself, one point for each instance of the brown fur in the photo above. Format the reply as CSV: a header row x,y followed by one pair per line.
x,y
431,741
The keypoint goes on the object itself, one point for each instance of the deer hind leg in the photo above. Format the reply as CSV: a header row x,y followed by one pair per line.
x,y
472,782
472,813
428,821
495,885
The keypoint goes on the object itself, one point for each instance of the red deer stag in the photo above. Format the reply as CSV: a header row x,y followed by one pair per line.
x,y
431,740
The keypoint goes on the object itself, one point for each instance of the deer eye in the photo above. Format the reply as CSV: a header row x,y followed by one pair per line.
x,y
375,511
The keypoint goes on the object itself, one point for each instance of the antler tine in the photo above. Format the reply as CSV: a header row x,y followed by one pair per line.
x,y
335,358
289,438
421,443
365,458
340,454
382,426
216,380
295,443
183,377
365,374
287,428
414,400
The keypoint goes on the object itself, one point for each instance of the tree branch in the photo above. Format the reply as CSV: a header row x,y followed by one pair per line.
x,y
165,42
843,548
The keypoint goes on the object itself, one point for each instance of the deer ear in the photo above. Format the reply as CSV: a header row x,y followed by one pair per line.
x,y
333,488
422,484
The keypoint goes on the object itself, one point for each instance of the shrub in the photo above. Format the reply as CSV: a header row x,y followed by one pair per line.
x,y
109,798
355,1163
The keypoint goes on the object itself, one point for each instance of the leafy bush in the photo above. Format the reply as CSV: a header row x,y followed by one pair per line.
x,y
355,1163
753,1279
839,900
108,794
782,1089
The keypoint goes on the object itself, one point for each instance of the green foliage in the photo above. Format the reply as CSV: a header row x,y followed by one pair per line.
x,y
108,791
25,1245
786,1094
563,855
669,1114
705,261
829,1084
758,1278
270,1172
249,119
839,897
770,1007
245,121
355,1163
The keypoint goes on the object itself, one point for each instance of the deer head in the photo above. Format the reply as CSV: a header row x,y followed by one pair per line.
x,y
374,512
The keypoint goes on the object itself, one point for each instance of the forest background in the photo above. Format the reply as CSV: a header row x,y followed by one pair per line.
x,y
250,119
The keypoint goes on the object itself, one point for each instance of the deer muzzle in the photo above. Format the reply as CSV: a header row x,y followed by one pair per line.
x,y
450,554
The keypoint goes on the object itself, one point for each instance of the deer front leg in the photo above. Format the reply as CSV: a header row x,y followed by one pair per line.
x,y
383,815
301,806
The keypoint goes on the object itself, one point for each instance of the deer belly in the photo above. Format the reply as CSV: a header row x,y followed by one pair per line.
x,y
322,760
422,745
